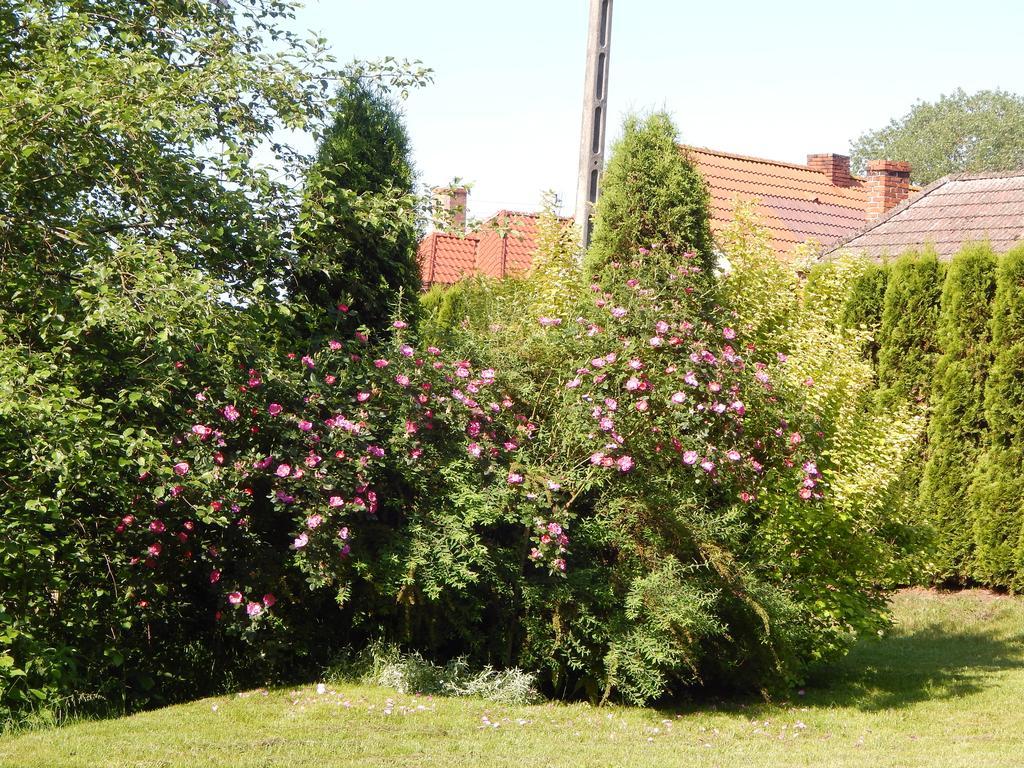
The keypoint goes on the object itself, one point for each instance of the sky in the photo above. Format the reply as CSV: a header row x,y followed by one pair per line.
x,y
779,80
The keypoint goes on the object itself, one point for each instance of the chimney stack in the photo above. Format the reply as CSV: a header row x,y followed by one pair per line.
x,y
887,185
836,167
450,203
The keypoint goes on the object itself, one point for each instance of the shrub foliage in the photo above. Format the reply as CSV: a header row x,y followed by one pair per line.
x,y
957,425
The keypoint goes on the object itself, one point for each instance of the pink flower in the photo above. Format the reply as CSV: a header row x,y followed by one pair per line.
x,y
157,526
596,458
690,378
313,522
230,413
728,333
661,327
625,463
214,576
305,426
406,350
235,598
796,438
402,379
632,384
738,407
253,610
343,534
308,362
300,541
514,478
380,363
274,409
283,470
548,322
201,430
690,458
656,341
618,312
312,460
708,466
335,501
362,397
733,455
155,549
474,450
808,382
181,468
269,600
641,405
805,493
434,351
606,424
678,398
334,344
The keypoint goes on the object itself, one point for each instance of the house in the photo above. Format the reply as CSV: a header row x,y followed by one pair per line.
x,y
820,201
953,211
501,246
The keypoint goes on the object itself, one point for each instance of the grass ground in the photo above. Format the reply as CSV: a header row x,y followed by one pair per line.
x,y
945,688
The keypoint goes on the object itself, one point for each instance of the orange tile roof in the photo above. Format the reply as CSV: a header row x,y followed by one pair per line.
x,y
502,246
793,201
446,258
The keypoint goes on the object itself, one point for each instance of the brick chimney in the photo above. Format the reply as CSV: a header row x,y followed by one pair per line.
x,y
450,203
836,167
887,185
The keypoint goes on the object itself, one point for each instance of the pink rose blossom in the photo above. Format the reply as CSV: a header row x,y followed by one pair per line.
x,y
313,521
275,409
269,600
305,426
181,468
235,598
308,362
157,526
301,540
214,576
253,610
690,458
625,463
230,413
283,470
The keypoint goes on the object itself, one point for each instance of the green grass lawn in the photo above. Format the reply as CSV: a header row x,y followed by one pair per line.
x,y
945,688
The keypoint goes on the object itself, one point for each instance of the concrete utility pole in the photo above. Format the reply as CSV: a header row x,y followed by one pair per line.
x,y
595,113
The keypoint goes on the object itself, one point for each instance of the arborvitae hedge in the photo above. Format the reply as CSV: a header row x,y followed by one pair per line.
x,y
651,194
908,347
863,308
957,424
997,494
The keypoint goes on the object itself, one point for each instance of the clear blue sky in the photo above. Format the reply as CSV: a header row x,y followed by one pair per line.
x,y
778,80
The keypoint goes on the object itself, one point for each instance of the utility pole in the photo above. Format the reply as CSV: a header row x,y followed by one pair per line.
x,y
595,113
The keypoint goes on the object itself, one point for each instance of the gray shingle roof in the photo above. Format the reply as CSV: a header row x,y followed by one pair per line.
x,y
951,212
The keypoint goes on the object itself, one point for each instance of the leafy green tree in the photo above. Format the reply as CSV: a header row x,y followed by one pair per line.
x,y
908,347
132,200
957,427
997,494
959,132
357,240
651,195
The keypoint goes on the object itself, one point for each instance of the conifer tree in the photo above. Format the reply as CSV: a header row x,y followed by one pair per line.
x,y
863,309
957,426
651,195
997,494
357,239
908,347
